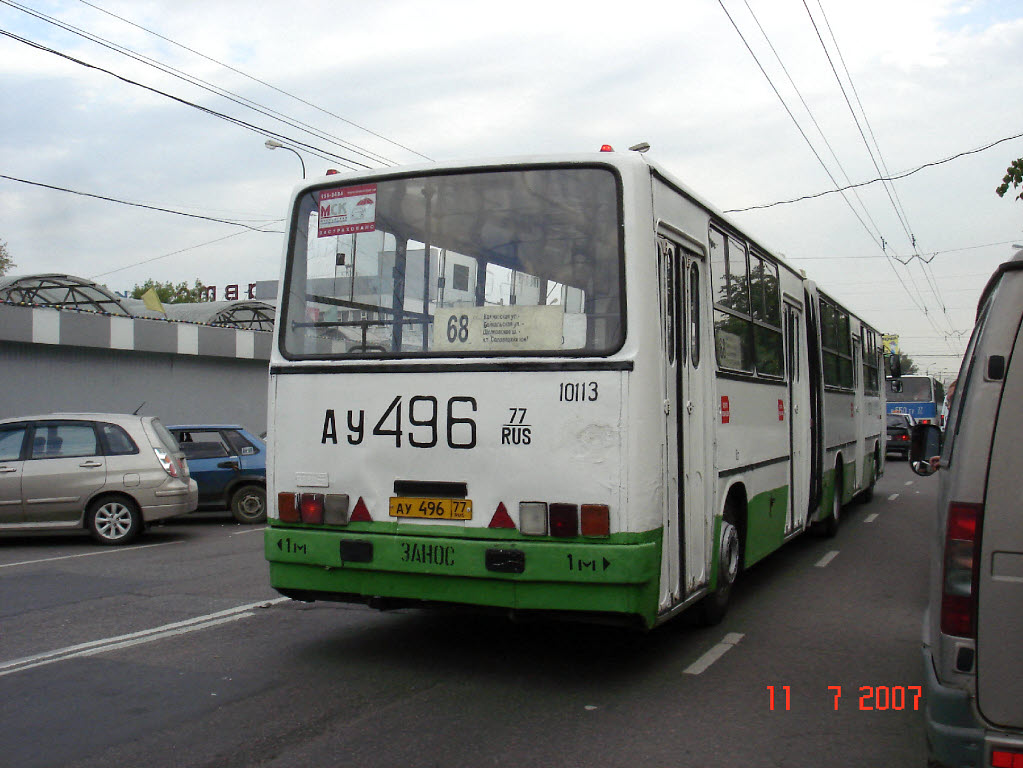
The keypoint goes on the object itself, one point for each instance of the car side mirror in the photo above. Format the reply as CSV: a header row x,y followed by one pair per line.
x,y
925,444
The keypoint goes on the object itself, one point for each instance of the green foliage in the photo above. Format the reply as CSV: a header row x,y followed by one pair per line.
x,y
171,293
6,262
1013,176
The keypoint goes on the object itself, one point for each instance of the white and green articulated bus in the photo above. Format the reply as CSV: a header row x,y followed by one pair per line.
x,y
551,385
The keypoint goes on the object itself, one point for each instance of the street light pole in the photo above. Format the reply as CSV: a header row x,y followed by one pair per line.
x,y
272,144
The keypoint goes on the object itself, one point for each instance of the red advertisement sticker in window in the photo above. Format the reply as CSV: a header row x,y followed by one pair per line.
x,y
346,211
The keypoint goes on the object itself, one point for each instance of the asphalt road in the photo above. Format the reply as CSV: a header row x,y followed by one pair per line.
x,y
175,652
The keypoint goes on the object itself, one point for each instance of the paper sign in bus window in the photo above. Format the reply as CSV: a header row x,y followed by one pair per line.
x,y
499,329
347,211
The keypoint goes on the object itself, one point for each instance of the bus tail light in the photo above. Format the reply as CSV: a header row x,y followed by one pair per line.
x,y
310,508
961,570
335,509
595,520
533,518
314,508
564,520
287,508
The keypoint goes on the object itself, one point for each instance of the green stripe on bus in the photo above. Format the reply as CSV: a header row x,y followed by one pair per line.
x,y
557,575
765,523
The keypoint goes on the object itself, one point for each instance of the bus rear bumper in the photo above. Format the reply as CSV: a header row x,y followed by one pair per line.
x,y
384,570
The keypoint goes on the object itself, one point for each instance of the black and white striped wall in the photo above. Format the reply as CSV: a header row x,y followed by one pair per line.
x,y
64,360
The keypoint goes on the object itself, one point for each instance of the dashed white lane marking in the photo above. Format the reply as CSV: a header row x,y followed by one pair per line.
x,y
250,530
893,497
823,562
111,551
909,482
135,638
870,518
728,642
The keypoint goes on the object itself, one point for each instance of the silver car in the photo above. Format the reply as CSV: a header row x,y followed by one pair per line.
x,y
110,473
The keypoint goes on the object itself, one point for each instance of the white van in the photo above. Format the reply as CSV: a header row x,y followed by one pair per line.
x,y
973,628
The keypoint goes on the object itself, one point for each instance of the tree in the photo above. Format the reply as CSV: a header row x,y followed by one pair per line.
x,y
171,293
6,262
1013,176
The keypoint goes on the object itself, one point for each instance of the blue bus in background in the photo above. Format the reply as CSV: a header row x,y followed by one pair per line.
x,y
922,397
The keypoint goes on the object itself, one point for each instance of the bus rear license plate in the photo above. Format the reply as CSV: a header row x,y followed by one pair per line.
x,y
430,509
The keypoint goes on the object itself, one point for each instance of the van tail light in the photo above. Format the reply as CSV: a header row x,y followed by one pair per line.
x,y
170,466
961,570
1004,758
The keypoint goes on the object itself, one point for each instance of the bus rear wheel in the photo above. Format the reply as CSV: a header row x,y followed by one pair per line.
x,y
830,526
715,605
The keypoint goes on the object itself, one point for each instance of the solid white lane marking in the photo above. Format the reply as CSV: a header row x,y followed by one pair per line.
x,y
250,530
111,551
870,518
893,497
728,642
94,647
823,562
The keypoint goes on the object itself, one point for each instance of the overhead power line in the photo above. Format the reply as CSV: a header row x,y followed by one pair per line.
x,y
894,177
200,83
142,205
257,80
347,161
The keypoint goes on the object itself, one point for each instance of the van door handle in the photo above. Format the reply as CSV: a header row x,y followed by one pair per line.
x,y
91,464
8,469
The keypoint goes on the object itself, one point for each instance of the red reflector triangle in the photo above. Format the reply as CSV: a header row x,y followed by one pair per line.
x,y
501,518
360,514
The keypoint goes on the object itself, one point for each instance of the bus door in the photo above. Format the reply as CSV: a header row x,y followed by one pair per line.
x,y
859,414
683,302
797,412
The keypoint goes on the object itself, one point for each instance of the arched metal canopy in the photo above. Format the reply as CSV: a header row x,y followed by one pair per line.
x,y
70,292
61,292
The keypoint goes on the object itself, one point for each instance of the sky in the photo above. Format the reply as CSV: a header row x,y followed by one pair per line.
x,y
730,95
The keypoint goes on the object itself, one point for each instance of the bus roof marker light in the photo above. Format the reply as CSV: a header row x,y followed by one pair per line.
x,y
607,148
360,514
501,518
533,518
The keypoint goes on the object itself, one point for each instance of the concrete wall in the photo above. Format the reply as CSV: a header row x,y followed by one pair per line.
x,y
53,360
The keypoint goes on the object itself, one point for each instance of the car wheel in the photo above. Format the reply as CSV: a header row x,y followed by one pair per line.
x,y
248,504
114,520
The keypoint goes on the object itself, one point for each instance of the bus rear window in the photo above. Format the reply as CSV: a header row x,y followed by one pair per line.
x,y
504,262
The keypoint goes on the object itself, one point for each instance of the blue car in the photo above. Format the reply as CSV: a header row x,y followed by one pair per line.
x,y
229,464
